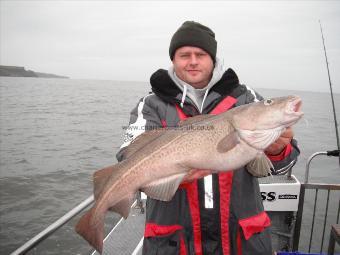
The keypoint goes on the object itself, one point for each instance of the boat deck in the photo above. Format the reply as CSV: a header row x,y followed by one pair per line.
x,y
125,237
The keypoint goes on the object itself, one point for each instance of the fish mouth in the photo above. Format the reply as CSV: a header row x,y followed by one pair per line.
x,y
293,111
294,106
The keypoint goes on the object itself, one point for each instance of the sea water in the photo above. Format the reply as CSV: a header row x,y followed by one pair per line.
x,y
54,133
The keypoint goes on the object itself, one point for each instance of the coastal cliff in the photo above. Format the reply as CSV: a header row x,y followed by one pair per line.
x,y
19,71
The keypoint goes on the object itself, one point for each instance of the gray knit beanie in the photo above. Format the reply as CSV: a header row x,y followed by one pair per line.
x,y
194,34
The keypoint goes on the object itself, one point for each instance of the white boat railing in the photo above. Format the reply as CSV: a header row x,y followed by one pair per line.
x,y
324,221
334,153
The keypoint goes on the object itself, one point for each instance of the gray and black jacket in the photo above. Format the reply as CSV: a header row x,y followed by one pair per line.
x,y
220,213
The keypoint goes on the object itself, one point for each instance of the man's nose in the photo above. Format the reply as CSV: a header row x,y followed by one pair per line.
x,y
193,60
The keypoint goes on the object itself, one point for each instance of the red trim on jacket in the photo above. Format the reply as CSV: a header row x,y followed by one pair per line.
x,y
225,182
182,248
254,224
192,195
180,113
239,242
224,105
286,151
152,229
164,123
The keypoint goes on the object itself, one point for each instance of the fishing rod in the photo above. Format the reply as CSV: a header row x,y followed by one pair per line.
x,y
330,86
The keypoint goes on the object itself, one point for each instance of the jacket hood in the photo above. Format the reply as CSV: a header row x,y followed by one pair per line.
x,y
164,87
196,95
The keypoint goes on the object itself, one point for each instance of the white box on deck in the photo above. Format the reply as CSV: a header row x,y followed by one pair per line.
x,y
279,193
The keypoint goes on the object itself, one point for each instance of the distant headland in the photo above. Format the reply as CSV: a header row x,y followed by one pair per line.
x,y
20,71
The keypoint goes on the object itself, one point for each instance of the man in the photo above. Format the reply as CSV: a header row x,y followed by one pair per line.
x,y
210,213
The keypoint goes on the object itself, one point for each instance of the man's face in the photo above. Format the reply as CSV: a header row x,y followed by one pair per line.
x,y
193,65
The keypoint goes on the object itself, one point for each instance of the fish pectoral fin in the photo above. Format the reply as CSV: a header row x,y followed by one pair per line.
x,y
123,206
260,166
164,189
228,142
100,178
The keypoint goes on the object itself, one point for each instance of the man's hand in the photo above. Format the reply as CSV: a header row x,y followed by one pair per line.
x,y
278,146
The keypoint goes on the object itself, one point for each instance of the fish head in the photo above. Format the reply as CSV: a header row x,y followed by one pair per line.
x,y
261,123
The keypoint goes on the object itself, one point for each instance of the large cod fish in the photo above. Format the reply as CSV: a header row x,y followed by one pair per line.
x,y
159,160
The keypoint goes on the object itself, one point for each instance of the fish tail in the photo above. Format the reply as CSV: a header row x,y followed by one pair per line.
x,y
92,233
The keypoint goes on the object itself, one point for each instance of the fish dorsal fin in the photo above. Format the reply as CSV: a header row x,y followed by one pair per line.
x,y
142,140
164,189
228,142
123,206
194,120
260,166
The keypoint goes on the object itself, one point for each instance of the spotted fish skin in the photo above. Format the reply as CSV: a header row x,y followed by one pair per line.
x,y
159,160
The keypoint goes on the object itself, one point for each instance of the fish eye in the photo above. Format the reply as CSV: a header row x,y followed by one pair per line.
x,y
268,102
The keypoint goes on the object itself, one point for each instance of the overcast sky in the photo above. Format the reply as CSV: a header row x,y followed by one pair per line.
x,y
270,44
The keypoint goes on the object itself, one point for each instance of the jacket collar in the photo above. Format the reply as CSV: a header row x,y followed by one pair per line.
x,y
164,87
